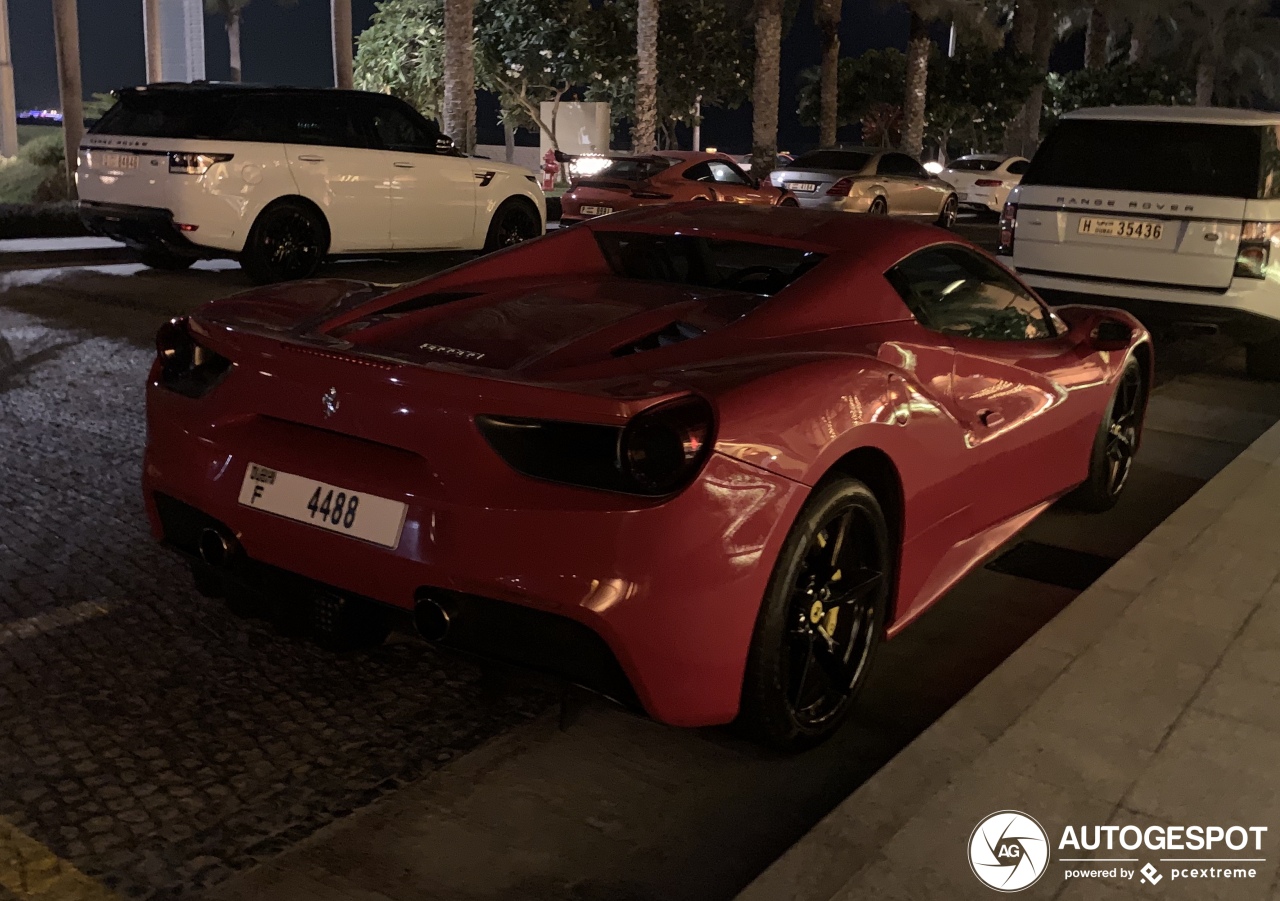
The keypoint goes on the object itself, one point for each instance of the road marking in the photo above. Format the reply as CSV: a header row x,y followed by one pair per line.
x,y
34,873
18,629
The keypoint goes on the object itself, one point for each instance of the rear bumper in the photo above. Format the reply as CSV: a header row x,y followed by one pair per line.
x,y
138,226
835,204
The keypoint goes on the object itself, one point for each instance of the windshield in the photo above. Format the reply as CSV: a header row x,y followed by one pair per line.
x,y
847,160
1159,157
706,262
637,169
974,164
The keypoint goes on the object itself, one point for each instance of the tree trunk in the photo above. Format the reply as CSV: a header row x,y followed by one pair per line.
x,y
233,43
1095,39
917,88
1206,80
342,44
66,37
644,133
827,14
151,32
8,105
1138,42
764,95
459,107
509,140
1046,38
1024,27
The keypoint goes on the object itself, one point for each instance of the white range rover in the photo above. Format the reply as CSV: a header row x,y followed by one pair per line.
x,y
281,178
1170,212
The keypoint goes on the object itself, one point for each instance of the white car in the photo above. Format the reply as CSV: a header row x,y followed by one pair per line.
x,y
983,181
281,178
1170,212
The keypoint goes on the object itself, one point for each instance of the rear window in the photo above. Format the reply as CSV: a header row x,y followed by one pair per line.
x,y
637,170
973,164
705,262
167,115
832,159
1158,157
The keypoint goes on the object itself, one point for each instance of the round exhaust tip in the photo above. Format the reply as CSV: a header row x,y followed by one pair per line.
x,y
215,548
431,619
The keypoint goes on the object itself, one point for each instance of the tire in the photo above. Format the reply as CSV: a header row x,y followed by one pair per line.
x,y
796,694
288,241
164,260
515,222
789,202
1262,361
1111,457
879,207
950,210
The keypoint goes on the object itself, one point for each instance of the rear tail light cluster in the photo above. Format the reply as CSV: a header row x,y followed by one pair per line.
x,y
655,454
842,188
182,163
186,366
1259,242
989,183
1008,229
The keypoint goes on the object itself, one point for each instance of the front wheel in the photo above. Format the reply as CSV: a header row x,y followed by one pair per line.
x,y
512,224
950,210
289,241
1114,447
821,620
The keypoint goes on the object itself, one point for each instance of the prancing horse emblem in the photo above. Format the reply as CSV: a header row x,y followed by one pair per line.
x,y
330,401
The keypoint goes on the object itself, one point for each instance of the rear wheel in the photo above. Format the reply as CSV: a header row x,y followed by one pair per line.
x,y
289,241
950,210
166,260
1111,460
879,207
1262,361
821,620
513,223
788,201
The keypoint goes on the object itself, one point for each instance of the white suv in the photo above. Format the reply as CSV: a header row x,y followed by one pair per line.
x,y
280,178
1170,212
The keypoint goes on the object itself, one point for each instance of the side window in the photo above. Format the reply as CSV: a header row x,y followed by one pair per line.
x,y
954,291
726,174
885,166
1018,167
700,172
317,121
396,129
899,164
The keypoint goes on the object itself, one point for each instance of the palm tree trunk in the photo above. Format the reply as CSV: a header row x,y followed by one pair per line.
x,y
459,105
340,11
644,133
1206,79
1138,42
151,32
1095,39
764,96
1024,36
8,103
917,87
233,43
66,36
1046,38
827,14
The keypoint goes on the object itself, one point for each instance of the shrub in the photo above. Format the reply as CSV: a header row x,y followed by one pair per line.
x,y
46,150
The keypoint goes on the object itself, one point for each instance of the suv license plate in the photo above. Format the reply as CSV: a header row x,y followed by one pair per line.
x,y
352,513
1132,229
122,161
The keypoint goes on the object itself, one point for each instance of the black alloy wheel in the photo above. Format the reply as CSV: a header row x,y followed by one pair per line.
x,y
950,212
513,223
822,619
1116,444
879,207
289,241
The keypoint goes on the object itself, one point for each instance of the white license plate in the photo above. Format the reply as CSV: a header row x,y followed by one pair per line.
x,y
112,160
595,210
806,187
352,513
1132,229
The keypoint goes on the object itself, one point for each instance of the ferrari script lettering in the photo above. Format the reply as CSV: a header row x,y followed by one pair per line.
x,y
451,351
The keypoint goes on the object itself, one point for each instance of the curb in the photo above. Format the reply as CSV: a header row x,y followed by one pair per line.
x,y
59,259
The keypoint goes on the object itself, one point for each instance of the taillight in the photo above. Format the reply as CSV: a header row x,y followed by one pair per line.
x,y
1008,228
1257,242
842,188
989,183
182,163
664,446
186,366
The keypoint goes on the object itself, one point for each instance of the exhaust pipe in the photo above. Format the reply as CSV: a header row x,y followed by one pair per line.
x,y
215,548
431,619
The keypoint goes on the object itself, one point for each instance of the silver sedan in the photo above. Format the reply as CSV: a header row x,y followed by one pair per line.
x,y
868,180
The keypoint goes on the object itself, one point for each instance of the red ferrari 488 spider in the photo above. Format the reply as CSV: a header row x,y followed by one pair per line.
x,y
703,458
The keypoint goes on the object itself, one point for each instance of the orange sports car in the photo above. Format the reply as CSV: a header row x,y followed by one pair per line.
x,y
669,176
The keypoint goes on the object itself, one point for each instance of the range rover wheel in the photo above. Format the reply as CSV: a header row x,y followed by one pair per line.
x,y
821,620
515,222
288,241
1262,361
950,210
879,207
1111,460
166,260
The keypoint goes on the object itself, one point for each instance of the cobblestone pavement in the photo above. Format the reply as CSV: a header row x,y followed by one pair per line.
x,y
148,736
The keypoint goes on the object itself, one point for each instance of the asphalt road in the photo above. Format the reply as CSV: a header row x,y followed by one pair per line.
x,y
161,744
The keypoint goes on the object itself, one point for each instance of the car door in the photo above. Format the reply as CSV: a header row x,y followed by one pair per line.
x,y
906,197
331,163
433,193
1021,390
733,184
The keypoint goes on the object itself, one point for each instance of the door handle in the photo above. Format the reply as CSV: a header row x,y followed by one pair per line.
x,y
990,418
311,158
403,165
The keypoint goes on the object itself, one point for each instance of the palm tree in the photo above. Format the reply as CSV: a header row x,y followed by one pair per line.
x,y
458,110
968,13
66,36
644,134
1234,45
232,12
1141,17
764,96
340,15
826,14
1096,36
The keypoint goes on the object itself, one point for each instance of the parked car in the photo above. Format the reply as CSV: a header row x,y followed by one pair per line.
x,y
661,452
983,181
667,177
868,180
1170,212
280,178
744,160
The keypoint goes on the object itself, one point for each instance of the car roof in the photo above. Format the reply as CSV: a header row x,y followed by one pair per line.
x,y
213,88
1185,114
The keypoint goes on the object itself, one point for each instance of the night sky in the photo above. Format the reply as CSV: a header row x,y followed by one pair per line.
x,y
292,46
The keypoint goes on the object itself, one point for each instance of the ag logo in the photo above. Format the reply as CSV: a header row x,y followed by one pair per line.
x,y
1008,851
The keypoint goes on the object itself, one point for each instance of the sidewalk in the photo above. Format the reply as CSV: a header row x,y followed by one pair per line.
x,y
1153,699
41,253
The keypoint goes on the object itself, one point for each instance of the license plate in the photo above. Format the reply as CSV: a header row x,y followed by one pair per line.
x,y
1133,229
963,195
595,210
352,513
806,187
113,160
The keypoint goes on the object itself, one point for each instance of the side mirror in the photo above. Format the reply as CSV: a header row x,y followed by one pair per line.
x,y
445,145
1112,334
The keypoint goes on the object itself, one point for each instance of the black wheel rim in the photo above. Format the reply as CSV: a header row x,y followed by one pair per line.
x,y
832,617
878,207
515,228
290,244
1122,430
